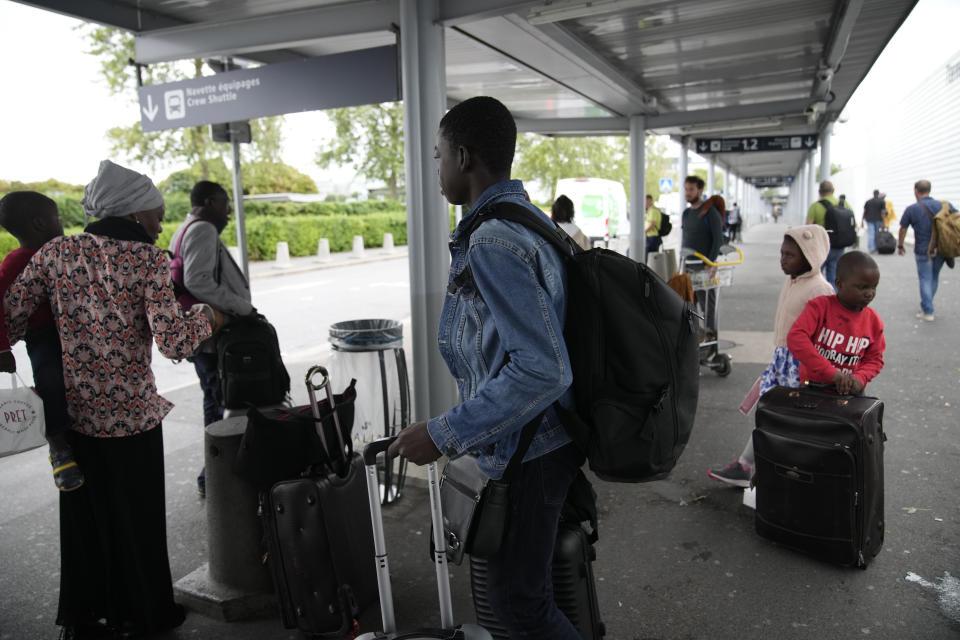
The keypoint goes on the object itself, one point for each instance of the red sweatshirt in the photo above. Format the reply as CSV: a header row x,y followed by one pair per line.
x,y
827,337
11,267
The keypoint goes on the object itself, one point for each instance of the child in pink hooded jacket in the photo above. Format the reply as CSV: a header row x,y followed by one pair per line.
x,y
803,251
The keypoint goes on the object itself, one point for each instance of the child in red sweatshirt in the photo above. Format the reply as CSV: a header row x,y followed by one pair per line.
x,y
33,219
838,338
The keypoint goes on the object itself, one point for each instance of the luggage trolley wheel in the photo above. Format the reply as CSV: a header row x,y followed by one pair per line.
x,y
721,364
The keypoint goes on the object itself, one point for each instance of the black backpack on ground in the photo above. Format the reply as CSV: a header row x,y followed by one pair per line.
x,y
840,224
248,360
665,225
633,345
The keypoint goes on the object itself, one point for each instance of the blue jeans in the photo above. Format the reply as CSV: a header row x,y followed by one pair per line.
x,y
206,366
928,272
46,359
872,227
653,244
830,266
519,577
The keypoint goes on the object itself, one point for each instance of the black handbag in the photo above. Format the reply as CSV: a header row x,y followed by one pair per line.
x,y
476,508
282,443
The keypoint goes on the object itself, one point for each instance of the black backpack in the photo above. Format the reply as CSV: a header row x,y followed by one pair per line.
x,y
633,345
665,225
840,224
248,360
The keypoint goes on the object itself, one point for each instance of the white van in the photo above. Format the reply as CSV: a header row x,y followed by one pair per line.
x,y
599,206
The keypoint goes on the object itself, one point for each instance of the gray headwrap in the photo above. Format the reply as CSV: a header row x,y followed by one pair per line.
x,y
118,191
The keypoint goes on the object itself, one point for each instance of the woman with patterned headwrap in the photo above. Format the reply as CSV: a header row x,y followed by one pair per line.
x,y
112,298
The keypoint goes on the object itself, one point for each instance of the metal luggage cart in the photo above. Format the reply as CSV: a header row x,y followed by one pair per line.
x,y
707,278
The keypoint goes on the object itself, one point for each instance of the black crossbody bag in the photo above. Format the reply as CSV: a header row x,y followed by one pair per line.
x,y
476,508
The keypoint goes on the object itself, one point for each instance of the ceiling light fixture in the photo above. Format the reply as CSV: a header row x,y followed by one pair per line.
x,y
727,127
558,11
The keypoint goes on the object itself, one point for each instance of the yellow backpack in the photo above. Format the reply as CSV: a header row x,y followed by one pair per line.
x,y
945,232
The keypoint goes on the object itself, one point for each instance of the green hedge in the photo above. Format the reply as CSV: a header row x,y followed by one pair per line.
x,y
284,209
178,206
300,232
303,232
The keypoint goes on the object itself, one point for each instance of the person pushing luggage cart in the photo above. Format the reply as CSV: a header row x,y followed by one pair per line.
x,y
707,277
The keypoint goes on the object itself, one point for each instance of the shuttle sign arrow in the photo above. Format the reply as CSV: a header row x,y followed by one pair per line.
x,y
307,84
150,110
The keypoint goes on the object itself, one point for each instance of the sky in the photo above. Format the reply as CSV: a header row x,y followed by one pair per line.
x,y
56,108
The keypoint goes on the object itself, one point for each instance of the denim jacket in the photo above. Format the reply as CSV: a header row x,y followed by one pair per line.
x,y
502,339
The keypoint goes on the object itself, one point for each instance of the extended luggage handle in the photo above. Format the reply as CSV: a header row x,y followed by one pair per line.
x,y
318,419
370,452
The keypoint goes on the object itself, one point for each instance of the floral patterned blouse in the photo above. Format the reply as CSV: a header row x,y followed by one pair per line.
x,y
109,298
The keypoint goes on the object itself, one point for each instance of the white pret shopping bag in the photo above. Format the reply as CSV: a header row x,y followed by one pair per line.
x,y
21,418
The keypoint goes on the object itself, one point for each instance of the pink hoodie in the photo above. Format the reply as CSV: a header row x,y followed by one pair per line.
x,y
815,244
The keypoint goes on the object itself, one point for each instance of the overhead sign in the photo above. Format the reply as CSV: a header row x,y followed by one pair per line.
x,y
666,184
769,181
310,84
757,143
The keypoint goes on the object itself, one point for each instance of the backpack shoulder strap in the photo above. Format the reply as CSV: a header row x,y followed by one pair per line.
x,y
516,213
176,249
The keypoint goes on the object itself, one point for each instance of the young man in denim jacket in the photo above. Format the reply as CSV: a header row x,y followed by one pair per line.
x,y
503,342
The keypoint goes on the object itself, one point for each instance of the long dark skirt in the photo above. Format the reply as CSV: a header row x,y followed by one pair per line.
x,y
113,536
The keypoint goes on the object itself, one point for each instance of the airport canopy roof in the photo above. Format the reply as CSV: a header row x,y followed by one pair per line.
x,y
693,68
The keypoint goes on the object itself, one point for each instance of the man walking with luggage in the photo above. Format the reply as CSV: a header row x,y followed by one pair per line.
x,y
501,336
920,216
210,275
817,214
873,212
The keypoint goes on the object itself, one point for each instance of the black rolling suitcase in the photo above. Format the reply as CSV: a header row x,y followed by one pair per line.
x,y
319,539
448,630
574,588
819,473
886,243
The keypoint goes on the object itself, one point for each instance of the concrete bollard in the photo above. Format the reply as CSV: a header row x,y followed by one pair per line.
x,y
233,584
323,250
283,256
388,243
357,247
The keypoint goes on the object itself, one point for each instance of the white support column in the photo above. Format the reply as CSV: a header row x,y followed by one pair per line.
x,y
683,176
711,176
638,181
825,152
726,185
813,189
802,189
428,219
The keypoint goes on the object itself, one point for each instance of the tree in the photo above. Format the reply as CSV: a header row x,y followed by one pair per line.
x,y
259,176
717,180
834,168
275,177
370,138
545,159
190,146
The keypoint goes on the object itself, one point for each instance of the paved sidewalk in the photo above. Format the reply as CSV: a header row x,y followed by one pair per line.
x,y
677,559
